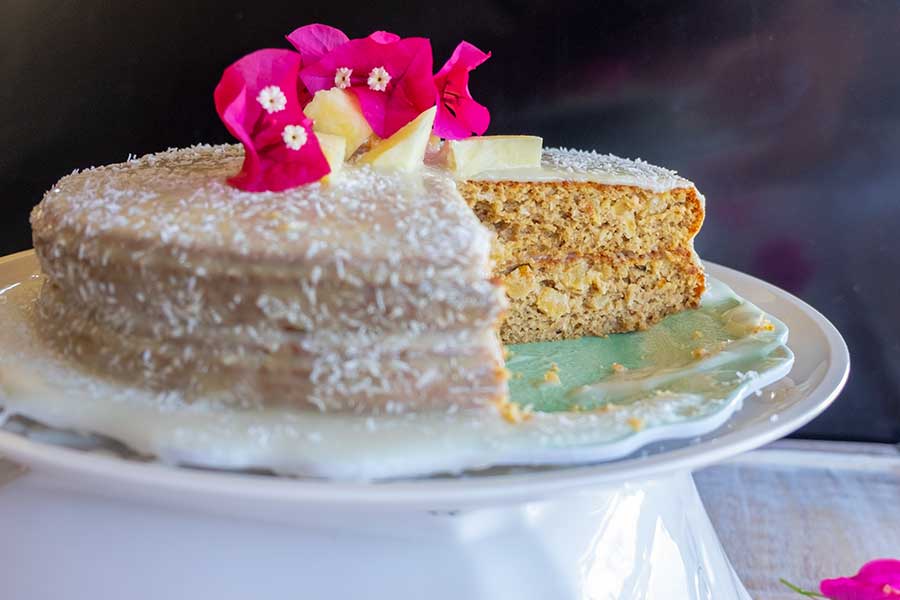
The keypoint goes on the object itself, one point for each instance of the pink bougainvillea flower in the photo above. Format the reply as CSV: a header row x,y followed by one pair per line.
x,y
257,101
384,37
315,41
390,76
458,115
877,580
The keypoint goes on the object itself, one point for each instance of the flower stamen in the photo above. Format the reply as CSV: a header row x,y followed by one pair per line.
x,y
342,77
294,136
378,79
272,99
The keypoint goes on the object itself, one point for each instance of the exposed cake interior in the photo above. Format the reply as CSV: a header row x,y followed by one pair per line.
x,y
590,244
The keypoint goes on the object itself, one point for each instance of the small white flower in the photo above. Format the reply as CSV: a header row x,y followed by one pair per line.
x,y
272,99
294,136
342,77
378,79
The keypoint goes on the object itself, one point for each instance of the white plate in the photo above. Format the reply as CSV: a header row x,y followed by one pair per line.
x,y
680,379
819,372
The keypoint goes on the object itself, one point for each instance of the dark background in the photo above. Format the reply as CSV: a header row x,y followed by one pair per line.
x,y
786,114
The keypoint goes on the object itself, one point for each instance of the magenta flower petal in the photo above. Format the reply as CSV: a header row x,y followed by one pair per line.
x,y
231,104
283,168
384,37
315,41
409,91
884,570
877,580
251,74
458,114
257,100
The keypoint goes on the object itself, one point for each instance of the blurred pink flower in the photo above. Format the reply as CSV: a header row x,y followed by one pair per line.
x,y
876,580
458,114
390,76
315,41
384,37
785,261
257,101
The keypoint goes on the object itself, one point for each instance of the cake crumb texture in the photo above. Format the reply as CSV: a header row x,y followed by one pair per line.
x,y
553,219
564,299
579,256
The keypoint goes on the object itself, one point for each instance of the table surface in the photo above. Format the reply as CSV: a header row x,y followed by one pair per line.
x,y
804,511
801,510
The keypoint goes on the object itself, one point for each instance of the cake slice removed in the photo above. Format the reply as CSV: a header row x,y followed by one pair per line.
x,y
589,244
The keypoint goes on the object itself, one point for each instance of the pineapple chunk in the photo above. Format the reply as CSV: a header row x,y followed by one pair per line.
x,y
337,112
484,153
405,150
333,147
552,303
520,282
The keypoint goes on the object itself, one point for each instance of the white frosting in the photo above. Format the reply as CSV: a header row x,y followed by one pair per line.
x,y
562,164
179,199
158,267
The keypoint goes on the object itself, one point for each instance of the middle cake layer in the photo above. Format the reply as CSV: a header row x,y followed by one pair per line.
x,y
584,295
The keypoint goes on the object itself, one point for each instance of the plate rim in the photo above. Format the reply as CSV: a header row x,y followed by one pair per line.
x,y
154,478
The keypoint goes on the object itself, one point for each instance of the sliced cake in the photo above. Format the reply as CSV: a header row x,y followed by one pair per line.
x,y
345,257
589,244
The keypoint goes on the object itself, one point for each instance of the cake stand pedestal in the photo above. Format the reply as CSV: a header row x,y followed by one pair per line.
x,y
640,539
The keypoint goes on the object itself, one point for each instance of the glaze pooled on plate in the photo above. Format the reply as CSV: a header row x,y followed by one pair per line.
x,y
680,379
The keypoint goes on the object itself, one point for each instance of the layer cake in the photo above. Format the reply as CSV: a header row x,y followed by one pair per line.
x,y
373,292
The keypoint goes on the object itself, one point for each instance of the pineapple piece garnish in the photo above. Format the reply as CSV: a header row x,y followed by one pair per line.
x,y
337,112
488,152
334,149
405,150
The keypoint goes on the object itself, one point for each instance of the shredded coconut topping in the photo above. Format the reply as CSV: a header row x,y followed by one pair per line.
x,y
583,162
558,164
371,291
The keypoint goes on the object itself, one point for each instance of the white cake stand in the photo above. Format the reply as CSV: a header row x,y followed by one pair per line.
x,y
80,525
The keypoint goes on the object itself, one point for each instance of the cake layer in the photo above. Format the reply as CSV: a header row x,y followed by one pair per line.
x,y
589,244
168,298
551,219
584,295
177,206
373,290
331,371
